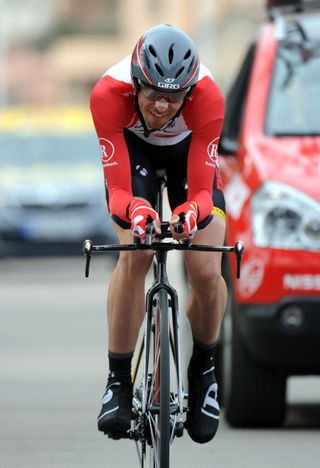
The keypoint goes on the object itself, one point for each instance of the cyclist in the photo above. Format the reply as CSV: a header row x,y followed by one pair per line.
x,y
161,108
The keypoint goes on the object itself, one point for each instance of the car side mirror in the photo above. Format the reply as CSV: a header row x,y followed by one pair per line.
x,y
227,146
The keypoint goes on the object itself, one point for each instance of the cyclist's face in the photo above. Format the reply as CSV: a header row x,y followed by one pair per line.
x,y
157,113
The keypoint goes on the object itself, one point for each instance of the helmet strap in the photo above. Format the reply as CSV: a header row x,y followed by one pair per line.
x,y
191,90
146,130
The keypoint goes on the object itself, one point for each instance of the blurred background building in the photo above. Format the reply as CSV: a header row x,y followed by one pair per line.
x,y
55,50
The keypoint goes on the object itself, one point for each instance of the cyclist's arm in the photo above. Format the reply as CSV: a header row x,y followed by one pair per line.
x,y
110,115
205,118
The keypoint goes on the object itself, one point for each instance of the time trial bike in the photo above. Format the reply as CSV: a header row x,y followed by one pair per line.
x,y
159,400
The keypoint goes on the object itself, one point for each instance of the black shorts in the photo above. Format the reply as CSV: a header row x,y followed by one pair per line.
x,y
146,159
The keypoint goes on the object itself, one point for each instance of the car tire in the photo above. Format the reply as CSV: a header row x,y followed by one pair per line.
x,y
219,370
254,395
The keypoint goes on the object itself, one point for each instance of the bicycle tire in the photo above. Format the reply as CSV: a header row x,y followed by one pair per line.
x,y
159,389
164,381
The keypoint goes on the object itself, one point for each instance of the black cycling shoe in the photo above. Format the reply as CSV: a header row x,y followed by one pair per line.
x,y
203,415
116,412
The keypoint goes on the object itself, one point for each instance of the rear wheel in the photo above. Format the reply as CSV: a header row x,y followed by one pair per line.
x,y
254,393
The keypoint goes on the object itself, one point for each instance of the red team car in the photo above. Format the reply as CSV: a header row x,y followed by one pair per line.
x,y
270,164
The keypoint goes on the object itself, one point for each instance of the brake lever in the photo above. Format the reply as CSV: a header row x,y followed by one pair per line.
x,y
178,227
149,231
238,248
87,248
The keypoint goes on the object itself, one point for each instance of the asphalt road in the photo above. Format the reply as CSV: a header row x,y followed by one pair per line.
x,y
52,374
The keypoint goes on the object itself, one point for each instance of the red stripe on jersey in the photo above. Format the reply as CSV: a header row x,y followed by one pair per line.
x,y
165,135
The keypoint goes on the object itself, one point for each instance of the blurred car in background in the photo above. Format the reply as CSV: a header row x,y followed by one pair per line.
x,y
270,163
52,192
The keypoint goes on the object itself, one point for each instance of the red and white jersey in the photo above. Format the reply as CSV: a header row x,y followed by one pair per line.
x,y
113,109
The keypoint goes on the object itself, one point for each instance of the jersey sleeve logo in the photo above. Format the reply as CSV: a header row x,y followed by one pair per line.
x,y
212,151
107,152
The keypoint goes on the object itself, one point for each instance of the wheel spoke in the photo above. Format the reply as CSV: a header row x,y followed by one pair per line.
x,y
154,437
154,392
140,454
173,419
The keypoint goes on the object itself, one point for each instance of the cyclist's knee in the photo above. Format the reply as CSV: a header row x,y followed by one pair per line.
x,y
135,264
205,275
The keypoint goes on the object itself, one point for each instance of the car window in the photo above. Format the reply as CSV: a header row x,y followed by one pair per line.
x,y
61,150
294,100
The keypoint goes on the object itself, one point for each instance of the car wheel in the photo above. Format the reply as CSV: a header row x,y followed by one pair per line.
x,y
254,395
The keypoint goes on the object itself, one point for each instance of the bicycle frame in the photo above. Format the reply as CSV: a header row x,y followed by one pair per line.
x,y
162,282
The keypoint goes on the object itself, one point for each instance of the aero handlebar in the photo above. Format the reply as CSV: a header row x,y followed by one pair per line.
x,y
158,244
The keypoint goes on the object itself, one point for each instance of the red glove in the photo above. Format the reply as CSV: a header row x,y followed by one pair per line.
x,y
189,210
139,212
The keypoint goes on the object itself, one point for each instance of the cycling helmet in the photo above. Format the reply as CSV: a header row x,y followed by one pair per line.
x,y
166,59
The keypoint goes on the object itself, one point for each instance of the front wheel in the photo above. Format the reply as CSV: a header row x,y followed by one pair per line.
x,y
164,381
151,402
158,411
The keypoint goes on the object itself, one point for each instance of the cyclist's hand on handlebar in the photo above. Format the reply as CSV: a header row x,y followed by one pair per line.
x,y
140,212
187,215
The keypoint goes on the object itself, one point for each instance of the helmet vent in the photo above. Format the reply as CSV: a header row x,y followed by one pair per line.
x,y
187,55
191,65
147,61
152,51
159,70
171,54
179,72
